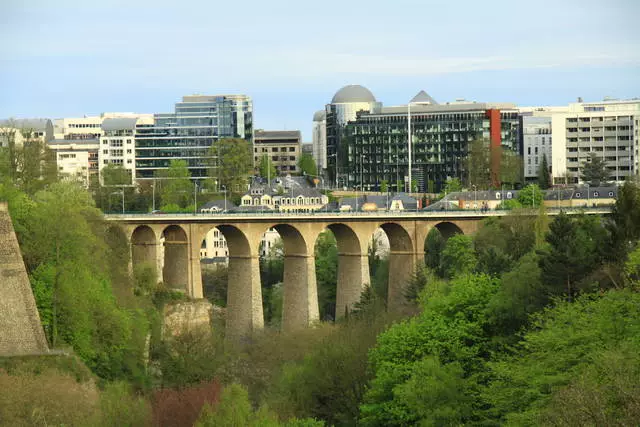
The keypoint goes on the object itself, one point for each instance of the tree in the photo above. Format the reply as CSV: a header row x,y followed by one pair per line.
x,y
594,170
531,196
624,221
575,248
307,165
384,186
433,357
511,167
433,247
266,168
326,254
453,185
458,256
562,347
115,175
233,163
544,179
176,187
479,164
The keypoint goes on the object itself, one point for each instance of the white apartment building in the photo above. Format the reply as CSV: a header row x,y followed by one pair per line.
x,y
117,142
214,246
77,160
608,128
537,137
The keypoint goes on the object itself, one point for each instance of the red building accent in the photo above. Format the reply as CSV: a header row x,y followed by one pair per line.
x,y
495,138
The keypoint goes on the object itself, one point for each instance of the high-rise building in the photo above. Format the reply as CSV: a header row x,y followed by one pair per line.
x,y
536,142
282,147
319,140
344,106
76,159
188,134
378,143
608,129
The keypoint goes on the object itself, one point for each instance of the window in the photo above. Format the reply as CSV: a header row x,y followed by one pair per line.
x,y
105,161
129,161
128,141
292,158
129,151
105,151
291,149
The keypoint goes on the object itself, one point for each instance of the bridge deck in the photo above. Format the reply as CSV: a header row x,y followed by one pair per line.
x,y
333,216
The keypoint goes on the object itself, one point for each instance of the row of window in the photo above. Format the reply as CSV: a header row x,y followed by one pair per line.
x,y
275,149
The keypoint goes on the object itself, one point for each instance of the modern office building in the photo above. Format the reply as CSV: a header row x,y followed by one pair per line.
x,y
188,134
377,142
344,106
608,128
282,147
536,143
319,140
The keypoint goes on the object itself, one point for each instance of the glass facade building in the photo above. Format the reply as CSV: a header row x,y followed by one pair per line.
x,y
188,134
377,142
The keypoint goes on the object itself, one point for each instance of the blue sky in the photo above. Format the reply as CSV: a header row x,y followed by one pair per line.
x,y
71,58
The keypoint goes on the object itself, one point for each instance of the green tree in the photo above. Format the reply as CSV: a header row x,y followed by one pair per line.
x,y
433,246
176,187
115,175
384,186
399,186
575,248
446,341
234,410
307,165
326,254
266,168
232,163
531,196
511,167
62,235
479,164
544,178
624,221
453,185
563,346
594,170
458,256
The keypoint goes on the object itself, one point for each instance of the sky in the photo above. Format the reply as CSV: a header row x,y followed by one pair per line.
x,y
74,58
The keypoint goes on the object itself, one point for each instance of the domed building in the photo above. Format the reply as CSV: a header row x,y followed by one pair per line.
x,y
343,108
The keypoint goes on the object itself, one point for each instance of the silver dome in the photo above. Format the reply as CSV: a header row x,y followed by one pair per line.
x,y
353,93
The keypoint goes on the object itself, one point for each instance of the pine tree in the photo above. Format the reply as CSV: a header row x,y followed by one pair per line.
x,y
544,180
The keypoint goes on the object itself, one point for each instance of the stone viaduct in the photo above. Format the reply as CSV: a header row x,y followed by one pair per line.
x,y
181,236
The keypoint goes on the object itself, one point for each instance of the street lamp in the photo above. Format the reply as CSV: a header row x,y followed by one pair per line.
x,y
224,189
588,196
475,198
195,196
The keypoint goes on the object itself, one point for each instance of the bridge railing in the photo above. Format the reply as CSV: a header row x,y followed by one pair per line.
x,y
338,214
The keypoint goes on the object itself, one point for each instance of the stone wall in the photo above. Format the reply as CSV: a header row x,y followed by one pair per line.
x,y
186,317
21,332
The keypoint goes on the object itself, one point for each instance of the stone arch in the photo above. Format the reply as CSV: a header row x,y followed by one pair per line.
x,y
300,296
448,229
144,247
353,268
175,271
399,238
401,263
